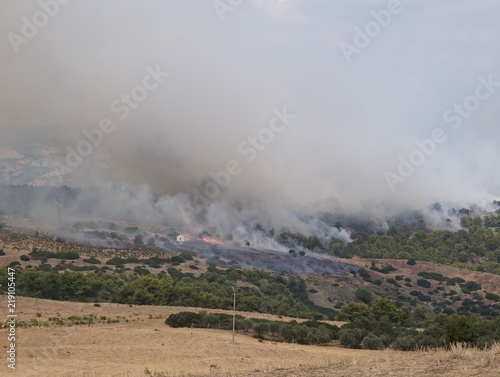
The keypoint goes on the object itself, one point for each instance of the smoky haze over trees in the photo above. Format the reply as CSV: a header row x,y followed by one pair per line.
x,y
226,80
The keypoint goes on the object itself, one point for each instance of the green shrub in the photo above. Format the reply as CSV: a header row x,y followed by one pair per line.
x,y
184,319
177,259
61,267
116,261
141,271
384,270
364,295
432,276
41,255
44,267
350,338
261,328
423,283
461,329
155,262
471,286
372,342
362,272
424,298
411,262
406,343
77,268
218,320
492,296
393,282
187,255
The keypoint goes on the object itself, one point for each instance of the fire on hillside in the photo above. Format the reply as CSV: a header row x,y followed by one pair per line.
x,y
211,240
205,238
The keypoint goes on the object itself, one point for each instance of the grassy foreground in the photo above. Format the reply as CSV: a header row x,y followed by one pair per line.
x,y
140,344
459,361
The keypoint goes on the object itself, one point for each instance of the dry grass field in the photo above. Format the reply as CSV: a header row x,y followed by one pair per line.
x,y
141,344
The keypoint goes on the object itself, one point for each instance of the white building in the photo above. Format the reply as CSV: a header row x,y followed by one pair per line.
x,y
184,237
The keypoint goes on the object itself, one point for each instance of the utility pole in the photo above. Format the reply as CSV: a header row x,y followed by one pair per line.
x,y
235,287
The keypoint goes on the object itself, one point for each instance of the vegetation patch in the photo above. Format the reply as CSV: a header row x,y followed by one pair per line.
x,y
432,276
309,332
44,255
384,270
423,283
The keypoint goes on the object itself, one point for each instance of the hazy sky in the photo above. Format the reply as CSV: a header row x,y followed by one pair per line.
x,y
230,68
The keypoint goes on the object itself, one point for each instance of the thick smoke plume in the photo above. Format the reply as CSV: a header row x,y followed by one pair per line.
x,y
213,113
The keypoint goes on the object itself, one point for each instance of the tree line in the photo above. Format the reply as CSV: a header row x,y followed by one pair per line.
x,y
475,248
270,293
308,332
380,325
383,324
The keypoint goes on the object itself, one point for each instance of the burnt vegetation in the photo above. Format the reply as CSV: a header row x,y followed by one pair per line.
x,y
476,247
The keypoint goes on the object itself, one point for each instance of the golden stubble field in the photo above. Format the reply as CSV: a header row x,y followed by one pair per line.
x,y
141,340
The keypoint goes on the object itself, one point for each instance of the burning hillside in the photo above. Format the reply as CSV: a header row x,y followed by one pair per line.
x,y
234,255
211,240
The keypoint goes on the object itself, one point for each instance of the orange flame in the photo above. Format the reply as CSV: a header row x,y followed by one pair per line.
x,y
210,240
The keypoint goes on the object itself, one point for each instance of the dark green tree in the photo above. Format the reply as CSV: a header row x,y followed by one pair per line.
x,y
364,295
461,329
